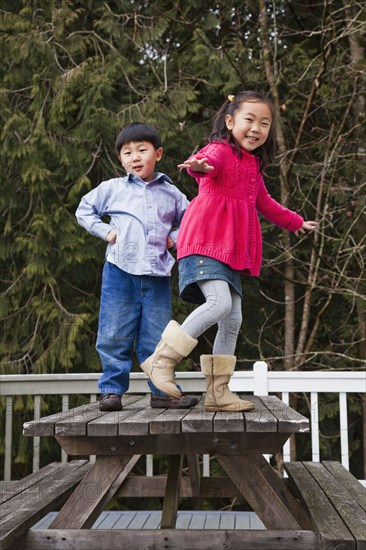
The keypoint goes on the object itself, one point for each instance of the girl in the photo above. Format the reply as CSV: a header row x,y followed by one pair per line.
x,y
219,238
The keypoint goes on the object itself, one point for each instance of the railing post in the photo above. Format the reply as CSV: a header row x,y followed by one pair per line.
x,y
8,436
343,419
315,447
64,407
36,440
260,375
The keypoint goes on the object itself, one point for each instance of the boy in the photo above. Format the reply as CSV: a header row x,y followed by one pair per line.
x,y
143,207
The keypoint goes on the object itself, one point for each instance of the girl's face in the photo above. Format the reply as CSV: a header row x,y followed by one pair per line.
x,y
250,124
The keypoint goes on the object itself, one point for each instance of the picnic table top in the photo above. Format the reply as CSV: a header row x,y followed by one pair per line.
x,y
137,418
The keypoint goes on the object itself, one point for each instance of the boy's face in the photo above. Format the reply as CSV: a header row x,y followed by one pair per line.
x,y
139,158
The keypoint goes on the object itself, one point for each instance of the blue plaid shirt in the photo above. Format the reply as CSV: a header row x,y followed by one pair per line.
x,y
143,214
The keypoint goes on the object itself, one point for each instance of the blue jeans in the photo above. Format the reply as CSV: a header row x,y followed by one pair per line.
x,y
134,311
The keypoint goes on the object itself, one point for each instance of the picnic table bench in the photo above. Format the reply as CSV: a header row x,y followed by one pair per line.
x,y
295,511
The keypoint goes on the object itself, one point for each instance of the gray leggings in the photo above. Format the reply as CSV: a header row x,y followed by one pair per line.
x,y
222,306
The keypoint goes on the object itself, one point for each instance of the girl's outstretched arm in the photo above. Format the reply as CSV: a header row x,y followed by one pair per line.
x,y
197,165
309,226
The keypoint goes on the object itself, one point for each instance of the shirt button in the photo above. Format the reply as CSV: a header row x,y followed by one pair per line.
x,y
201,272
201,261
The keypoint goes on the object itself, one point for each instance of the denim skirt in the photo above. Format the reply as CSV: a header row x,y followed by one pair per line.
x,y
202,268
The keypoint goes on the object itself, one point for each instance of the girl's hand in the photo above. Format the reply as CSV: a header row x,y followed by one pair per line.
x,y
197,165
309,226
111,237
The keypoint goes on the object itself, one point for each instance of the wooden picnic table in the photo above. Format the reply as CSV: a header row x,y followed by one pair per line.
x,y
118,439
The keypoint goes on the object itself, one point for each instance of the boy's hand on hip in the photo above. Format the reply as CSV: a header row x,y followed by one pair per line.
x,y
169,243
111,236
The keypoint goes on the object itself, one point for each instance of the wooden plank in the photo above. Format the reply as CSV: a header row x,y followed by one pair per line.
x,y
107,424
288,419
261,419
248,520
30,505
187,443
124,521
258,492
171,499
169,422
96,489
183,520
139,520
357,490
212,521
76,424
138,423
325,520
342,499
198,420
107,520
229,422
255,522
76,417
35,493
46,424
154,487
11,489
169,539
151,520
197,520
227,521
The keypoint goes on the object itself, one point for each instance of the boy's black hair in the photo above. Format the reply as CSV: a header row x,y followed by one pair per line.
x,y
220,132
138,131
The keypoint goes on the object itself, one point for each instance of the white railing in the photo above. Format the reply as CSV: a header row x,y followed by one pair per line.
x,y
260,381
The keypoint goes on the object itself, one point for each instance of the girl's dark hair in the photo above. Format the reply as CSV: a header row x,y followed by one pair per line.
x,y
220,131
138,131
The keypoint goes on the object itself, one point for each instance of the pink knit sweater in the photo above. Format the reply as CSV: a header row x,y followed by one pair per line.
x,y
222,221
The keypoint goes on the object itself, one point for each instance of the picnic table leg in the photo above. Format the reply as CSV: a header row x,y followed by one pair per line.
x,y
283,492
257,489
95,490
171,499
194,474
195,478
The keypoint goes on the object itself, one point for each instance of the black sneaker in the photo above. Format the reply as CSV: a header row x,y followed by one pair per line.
x,y
110,402
169,402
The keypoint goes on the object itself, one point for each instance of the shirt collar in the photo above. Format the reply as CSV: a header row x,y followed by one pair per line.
x,y
159,178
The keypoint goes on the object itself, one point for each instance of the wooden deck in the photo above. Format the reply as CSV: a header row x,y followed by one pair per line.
x,y
152,519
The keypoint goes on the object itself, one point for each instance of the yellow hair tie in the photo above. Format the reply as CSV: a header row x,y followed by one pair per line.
x,y
230,97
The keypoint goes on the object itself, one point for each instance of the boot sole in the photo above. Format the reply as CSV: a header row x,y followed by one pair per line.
x,y
228,408
176,394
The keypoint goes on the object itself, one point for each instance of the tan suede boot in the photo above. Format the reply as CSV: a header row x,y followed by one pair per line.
x,y
218,369
173,346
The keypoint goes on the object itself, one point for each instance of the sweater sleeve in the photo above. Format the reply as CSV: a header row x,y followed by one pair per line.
x,y
213,153
91,209
275,212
